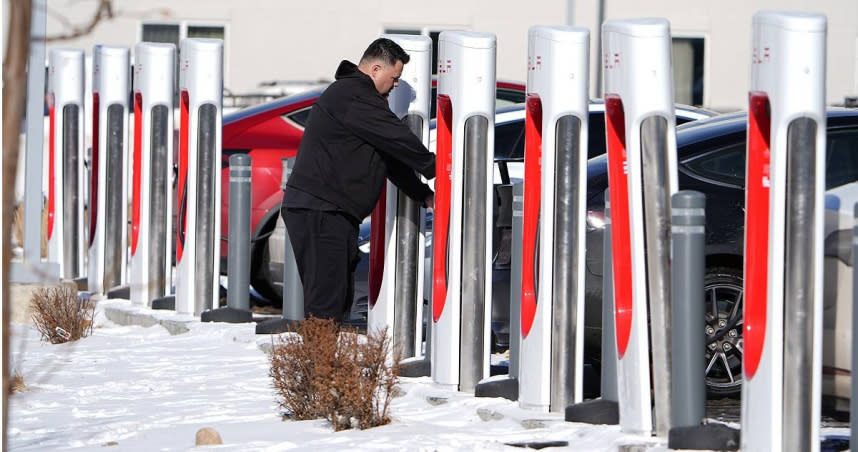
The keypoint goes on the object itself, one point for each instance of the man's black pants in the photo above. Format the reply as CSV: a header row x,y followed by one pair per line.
x,y
325,245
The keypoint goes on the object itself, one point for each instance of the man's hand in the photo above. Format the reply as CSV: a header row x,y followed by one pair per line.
x,y
429,202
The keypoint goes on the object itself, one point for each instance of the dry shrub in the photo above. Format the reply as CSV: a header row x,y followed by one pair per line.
x,y
60,316
345,378
16,383
301,366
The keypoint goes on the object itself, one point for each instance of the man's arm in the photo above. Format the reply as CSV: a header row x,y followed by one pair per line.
x,y
381,128
407,181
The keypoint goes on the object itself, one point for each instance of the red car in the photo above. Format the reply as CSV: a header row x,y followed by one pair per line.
x,y
268,133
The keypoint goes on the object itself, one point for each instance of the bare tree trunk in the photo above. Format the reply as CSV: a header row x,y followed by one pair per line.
x,y
14,96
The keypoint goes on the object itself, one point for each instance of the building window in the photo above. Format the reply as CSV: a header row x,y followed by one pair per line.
x,y
167,33
205,32
174,32
401,31
688,70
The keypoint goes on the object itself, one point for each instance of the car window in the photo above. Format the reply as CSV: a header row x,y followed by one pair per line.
x,y
596,135
723,165
299,117
509,141
728,163
841,162
509,138
506,97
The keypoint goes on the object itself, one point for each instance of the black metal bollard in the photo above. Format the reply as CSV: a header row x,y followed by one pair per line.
x,y
609,343
688,386
688,223
238,264
238,267
515,282
293,291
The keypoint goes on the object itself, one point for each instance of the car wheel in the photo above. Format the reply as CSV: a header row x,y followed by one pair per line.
x,y
260,274
723,325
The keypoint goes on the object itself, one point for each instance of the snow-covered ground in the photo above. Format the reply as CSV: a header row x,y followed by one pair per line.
x,y
142,389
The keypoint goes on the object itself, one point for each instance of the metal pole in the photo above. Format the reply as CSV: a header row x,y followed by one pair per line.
x,y
515,280
293,291
161,158
656,198
853,401
238,266
600,18
473,255
609,344
566,383
207,173
115,218
688,391
798,290
405,268
34,138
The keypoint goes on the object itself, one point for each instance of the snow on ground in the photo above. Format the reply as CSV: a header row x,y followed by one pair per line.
x,y
134,388
142,389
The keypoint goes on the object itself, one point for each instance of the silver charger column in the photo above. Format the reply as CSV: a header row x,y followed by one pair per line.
x,y
108,201
65,234
464,196
397,221
152,221
199,181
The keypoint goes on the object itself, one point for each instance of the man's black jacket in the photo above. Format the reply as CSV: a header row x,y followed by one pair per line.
x,y
353,142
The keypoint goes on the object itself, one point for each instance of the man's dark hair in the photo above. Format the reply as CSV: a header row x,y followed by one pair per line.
x,y
385,50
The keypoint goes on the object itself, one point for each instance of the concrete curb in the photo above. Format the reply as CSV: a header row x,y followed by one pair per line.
x,y
124,313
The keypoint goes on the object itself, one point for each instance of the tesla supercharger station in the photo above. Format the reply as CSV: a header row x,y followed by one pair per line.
x,y
65,162
399,303
461,298
783,233
109,191
555,189
640,129
199,184
152,172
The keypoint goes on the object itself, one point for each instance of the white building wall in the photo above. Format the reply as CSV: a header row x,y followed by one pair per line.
x,y
290,40
299,40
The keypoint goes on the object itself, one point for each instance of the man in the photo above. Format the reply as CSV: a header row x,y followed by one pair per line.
x,y
351,145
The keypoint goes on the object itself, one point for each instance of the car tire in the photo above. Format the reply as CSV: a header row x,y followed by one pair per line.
x,y
724,315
